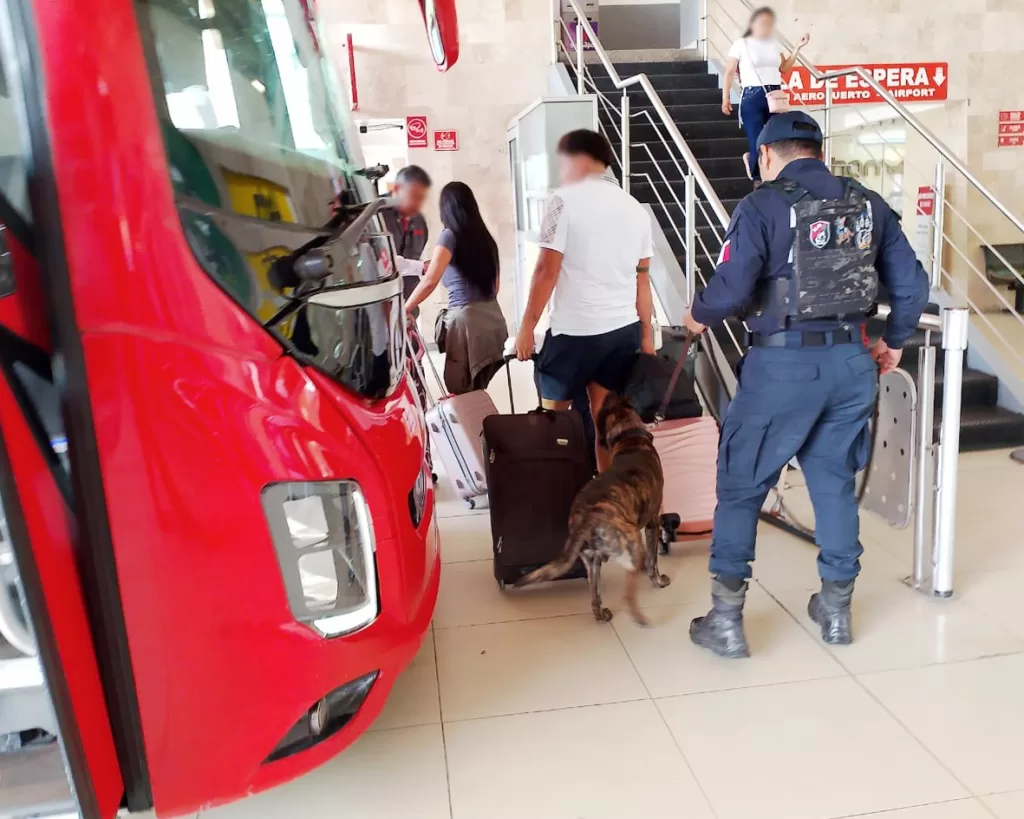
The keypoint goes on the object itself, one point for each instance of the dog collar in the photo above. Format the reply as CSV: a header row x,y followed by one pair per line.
x,y
637,432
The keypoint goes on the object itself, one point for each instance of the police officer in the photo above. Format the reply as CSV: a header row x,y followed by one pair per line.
x,y
802,261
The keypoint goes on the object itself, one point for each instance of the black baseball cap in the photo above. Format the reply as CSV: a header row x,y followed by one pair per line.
x,y
791,125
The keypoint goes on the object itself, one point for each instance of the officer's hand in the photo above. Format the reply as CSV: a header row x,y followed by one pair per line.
x,y
886,358
691,324
727,106
804,40
525,343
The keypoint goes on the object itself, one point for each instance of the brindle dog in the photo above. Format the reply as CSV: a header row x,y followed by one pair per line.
x,y
616,512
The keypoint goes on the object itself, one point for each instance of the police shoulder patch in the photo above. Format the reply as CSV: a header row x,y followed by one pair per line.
x,y
819,233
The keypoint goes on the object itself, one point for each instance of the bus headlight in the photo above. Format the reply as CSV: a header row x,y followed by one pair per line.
x,y
323,537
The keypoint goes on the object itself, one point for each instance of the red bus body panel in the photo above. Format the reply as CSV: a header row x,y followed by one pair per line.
x,y
195,410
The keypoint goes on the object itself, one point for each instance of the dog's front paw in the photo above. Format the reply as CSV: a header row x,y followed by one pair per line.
x,y
603,615
663,581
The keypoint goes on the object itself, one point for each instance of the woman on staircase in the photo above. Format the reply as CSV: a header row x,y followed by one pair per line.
x,y
761,61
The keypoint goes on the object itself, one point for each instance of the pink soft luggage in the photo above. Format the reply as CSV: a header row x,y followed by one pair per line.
x,y
688,449
456,424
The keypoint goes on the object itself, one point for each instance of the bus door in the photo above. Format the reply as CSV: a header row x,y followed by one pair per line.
x,y
57,752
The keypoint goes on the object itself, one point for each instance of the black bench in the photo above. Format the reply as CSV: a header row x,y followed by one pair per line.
x,y
998,274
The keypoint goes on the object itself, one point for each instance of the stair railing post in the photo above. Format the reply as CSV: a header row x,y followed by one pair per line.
x,y
938,227
690,227
924,483
827,126
702,30
625,140
954,343
580,36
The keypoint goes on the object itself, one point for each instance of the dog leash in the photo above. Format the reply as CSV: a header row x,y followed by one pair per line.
x,y
659,416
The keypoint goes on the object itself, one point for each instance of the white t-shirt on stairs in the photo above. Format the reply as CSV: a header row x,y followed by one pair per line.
x,y
759,61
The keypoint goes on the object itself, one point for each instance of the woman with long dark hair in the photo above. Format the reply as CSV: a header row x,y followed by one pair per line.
x,y
473,331
760,60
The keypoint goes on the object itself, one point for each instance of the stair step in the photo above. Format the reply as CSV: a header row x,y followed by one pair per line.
x,y
722,147
653,69
732,187
988,428
683,96
677,215
667,82
731,166
645,132
697,112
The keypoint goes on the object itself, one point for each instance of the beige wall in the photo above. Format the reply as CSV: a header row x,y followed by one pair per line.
x,y
502,68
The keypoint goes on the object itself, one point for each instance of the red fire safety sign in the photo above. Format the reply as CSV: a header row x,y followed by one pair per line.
x,y
416,132
1011,129
907,82
446,140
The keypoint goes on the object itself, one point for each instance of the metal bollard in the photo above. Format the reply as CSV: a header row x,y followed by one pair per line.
x,y
954,343
924,482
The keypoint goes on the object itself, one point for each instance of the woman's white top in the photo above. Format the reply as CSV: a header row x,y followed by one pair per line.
x,y
759,61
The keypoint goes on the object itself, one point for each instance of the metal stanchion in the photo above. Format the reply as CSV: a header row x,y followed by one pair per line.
x,y
625,141
690,226
954,343
940,211
924,483
827,126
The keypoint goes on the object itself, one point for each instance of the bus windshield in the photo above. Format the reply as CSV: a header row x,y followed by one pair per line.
x,y
261,154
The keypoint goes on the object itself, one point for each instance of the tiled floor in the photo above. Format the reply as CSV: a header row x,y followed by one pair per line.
x,y
520,705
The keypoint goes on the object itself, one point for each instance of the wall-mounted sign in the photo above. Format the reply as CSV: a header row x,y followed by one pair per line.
x,y
1011,129
416,132
907,82
926,201
446,140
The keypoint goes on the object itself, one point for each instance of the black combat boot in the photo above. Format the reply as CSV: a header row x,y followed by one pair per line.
x,y
721,629
830,609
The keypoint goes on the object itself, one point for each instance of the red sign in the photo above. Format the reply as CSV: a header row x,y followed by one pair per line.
x,y
416,132
908,82
926,201
446,140
1011,140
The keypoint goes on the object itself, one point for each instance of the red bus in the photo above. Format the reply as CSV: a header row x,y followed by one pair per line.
x,y
220,547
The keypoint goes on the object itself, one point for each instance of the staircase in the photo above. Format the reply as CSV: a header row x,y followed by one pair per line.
x,y
693,99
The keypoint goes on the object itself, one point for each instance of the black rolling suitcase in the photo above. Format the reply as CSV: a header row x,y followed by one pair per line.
x,y
536,464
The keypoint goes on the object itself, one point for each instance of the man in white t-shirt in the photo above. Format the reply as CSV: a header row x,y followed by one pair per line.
x,y
594,267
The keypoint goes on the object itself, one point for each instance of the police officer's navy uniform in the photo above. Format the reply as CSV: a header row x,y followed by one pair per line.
x,y
802,260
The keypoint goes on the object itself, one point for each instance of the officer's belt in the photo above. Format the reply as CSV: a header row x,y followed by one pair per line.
x,y
804,338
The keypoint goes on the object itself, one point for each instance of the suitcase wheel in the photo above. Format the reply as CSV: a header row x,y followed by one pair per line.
x,y
471,503
501,584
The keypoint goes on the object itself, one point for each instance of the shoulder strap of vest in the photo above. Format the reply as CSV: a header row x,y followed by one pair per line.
x,y
789,188
852,186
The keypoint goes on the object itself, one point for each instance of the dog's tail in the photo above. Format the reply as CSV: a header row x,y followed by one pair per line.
x,y
556,568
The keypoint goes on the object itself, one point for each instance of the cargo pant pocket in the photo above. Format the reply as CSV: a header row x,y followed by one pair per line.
x,y
742,453
860,452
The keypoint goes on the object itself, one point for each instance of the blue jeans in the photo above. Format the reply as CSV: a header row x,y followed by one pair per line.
x,y
813,403
754,114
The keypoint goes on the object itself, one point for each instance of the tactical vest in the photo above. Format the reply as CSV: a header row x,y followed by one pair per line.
x,y
833,256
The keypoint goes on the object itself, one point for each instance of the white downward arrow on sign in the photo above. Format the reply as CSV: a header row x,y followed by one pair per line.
x,y
940,76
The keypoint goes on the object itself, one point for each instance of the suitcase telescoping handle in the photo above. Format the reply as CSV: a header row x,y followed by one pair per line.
x,y
508,374
659,416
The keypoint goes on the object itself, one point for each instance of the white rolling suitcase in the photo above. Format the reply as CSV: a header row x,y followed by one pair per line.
x,y
456,424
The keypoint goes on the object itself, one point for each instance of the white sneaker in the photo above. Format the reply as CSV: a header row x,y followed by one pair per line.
x,y
746,166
